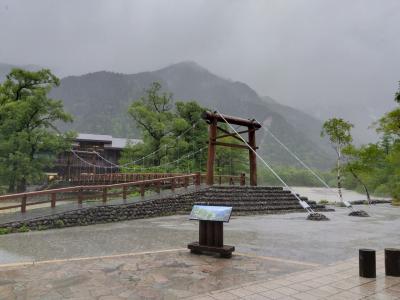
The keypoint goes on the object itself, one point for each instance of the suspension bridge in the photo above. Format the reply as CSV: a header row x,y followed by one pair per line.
x,y
95,178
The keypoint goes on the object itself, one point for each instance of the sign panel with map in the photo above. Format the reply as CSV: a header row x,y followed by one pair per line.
x,y
211,213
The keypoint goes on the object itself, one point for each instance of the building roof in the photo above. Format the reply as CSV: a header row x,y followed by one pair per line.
x,y
109,141
94,137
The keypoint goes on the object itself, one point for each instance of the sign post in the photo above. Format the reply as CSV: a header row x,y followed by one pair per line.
x,y
211,230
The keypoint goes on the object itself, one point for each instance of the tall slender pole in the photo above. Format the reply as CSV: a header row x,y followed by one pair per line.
x,y
212,134
252,157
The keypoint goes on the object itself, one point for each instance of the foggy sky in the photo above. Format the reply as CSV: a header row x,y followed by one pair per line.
x,y
327,57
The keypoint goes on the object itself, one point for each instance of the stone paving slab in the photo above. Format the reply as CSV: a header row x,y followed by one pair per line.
x,y
177,274
339,281
170,274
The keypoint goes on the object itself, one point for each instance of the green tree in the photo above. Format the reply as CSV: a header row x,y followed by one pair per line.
x,y
152,115
29,136
338,132
389,126
360,162
377,165
177,136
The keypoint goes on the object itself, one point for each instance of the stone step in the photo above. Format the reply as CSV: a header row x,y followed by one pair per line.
x,y
247,198
249,191
241,193
279,202
235,187
254,206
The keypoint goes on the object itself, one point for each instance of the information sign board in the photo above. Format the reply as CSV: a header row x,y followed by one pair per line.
x,y
211,213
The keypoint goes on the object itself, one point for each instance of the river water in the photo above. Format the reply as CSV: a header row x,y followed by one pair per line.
x,y
320,193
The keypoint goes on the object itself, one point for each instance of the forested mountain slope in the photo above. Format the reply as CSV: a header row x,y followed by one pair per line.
x,y
99,103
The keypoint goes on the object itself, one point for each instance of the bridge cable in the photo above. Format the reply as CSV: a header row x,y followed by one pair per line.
x,y
346,203
302,203
142,159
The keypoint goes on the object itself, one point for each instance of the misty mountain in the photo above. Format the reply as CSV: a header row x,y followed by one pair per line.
x,y
99,103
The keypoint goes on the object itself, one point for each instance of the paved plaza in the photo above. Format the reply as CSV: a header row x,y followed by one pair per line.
x,y
277,257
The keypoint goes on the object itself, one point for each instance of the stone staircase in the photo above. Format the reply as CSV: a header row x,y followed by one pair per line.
x,y
254,200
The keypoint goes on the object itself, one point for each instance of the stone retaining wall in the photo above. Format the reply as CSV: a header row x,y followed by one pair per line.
x,y
178,204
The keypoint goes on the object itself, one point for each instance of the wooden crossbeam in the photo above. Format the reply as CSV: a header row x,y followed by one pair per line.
x,y
231,145
234,135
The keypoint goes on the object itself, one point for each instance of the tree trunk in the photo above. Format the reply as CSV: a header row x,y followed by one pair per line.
x,y
21,185
158,154
339,178
11,186
362,183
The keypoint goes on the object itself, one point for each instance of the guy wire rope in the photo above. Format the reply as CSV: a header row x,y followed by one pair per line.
x,y
346,203
302,203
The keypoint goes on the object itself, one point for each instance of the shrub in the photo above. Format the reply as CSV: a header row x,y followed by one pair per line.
x,y
4,230
23,228
396,202
59,223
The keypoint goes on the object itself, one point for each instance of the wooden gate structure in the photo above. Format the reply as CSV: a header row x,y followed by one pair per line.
x,y
213,118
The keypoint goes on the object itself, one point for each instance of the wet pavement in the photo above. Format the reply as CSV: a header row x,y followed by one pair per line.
x,y
277,257
288,236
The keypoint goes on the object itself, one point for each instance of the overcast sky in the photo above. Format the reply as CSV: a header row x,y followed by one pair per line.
x,y
317,55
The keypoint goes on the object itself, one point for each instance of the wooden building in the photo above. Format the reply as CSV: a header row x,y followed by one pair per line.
x,y
92,154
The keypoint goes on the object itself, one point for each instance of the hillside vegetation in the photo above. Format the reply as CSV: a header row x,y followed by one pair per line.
x,y
99,103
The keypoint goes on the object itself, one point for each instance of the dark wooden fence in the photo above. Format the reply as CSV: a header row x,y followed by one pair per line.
x,y
139,186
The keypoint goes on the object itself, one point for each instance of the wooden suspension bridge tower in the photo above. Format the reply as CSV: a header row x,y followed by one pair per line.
x,y
252,126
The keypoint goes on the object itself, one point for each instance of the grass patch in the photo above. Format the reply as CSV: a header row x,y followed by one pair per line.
x,y
396,202
4,230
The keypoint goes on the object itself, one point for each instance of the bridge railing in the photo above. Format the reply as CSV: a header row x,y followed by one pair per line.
x,y
115,177
86,179
227,179
93,192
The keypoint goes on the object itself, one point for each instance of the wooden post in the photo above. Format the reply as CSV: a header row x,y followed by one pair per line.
x,y
23,204
186,182
392,262
172,184
53,200
242,179
80,197
158,187
197,179
104,195
210,233
367,263
202,232
124,192
218,234
211,151
252,157
142,190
